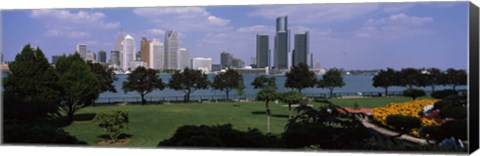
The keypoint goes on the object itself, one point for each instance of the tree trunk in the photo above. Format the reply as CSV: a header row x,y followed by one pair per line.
x,y
386,91
454,86
289,111
226,91
143,99
186,99
268,109
433,88
331,92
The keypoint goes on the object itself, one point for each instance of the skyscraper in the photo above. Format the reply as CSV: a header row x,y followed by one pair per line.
x,y
157,55
171,50
118,43
238,63
203,64
226,59
128,53
115,59
183,58
55,58
262,59
82,50
282,43
102,56
145,51
90,56
301,49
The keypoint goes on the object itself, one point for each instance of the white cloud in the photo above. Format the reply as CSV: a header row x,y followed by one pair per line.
x,y
256,29
156,31
69,24
183,18
300,14
400,19
395,26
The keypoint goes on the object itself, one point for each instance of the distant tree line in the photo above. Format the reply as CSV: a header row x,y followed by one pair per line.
x,y
410,77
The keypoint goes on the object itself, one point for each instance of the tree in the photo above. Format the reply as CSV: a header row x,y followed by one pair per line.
x,y
104,75
143,81
263,81
331,79
113,123
227,81
78,84
291,97
411,77
434,77
385,79
300,77
30,88
456,77
188,81
267,94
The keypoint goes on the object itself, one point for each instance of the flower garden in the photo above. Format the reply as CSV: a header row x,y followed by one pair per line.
x,y
410,108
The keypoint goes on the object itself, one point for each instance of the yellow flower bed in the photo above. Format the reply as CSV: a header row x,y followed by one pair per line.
x,y
410,108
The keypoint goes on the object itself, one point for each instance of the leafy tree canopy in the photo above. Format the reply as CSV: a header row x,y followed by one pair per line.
x,y
143,81
300,77
79,85
331,79
188,81
263,81
227,81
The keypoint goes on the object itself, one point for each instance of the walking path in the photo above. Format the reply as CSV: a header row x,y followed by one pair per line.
x,y
392,133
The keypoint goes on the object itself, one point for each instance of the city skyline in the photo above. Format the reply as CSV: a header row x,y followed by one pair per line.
x,y
350,36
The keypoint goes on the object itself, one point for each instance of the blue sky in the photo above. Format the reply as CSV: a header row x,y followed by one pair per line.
x,y
350,36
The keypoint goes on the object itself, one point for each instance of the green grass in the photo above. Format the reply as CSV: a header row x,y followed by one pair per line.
x,y
371,102
150,124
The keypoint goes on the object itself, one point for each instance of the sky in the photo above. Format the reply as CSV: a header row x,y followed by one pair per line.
x,y
349,36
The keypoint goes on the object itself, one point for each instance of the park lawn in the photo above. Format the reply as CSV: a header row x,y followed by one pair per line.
x,y
151,123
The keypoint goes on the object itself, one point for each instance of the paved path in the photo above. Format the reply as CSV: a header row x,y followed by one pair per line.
x,y
392,133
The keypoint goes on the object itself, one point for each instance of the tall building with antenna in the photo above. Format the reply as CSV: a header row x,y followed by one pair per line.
x,y
282,43
171,44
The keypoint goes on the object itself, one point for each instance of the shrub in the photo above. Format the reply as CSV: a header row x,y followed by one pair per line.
x,y
113,123
433,133
456,128
220,136
403,123
413,93
443,93
37,134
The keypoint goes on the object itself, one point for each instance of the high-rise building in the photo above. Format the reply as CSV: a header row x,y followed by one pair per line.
x,y
282,43
82,50
238,63
183,58
171,50
263,56
216,67
55,58
115,59
316,65
102,56
145,51
118,43
90,56
226,59
301,49
157,55
127,55
203,64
